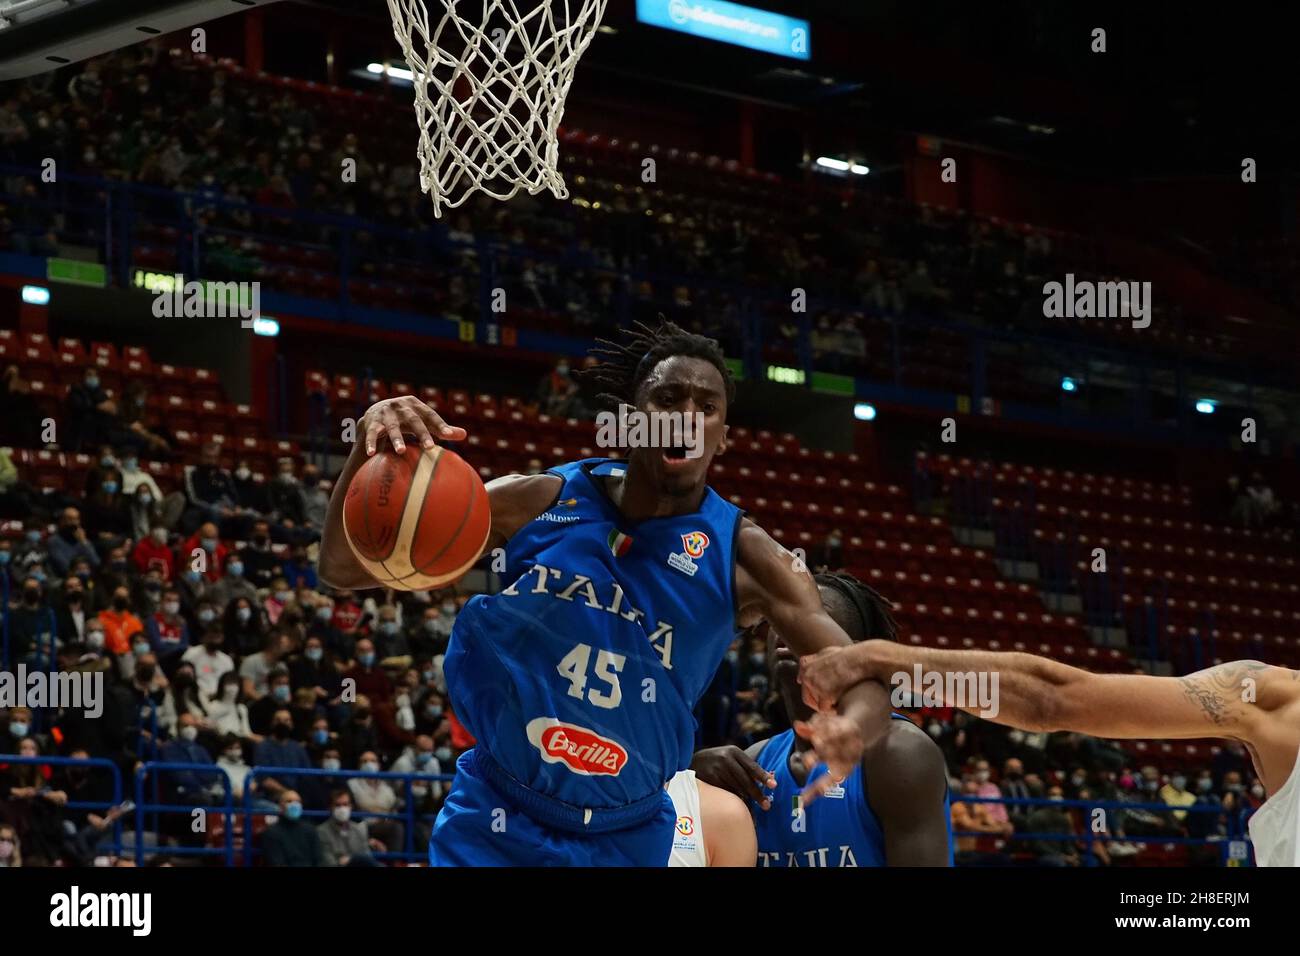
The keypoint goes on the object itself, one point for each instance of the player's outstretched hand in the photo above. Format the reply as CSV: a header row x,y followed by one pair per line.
x,y
406,415
837,741
826,675
730,768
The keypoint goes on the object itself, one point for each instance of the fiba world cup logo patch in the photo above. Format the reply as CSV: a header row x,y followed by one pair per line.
x,y
686,826
693,545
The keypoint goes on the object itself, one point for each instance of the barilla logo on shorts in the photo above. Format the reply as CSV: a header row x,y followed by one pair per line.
x,y
581,750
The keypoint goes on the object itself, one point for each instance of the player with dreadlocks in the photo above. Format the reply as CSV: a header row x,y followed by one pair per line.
x,y
628,580
891,811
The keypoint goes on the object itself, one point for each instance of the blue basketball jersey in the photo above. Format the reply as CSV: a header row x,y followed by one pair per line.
x,y
838,829
579,678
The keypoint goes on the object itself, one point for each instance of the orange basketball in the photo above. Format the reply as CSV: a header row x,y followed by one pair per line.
x,y
417,520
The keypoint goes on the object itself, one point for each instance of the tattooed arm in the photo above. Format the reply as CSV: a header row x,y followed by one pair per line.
x,y
1040,694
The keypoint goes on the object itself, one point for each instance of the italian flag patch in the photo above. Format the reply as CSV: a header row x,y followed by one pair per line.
x,y
619,543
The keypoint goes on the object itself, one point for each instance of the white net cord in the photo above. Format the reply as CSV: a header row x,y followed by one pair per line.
x,y
490,87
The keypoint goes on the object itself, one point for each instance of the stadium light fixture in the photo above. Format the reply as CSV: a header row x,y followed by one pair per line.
x,y
394,72
36,295
839,165
265,325
864,412
1206,406
1069,385
859,170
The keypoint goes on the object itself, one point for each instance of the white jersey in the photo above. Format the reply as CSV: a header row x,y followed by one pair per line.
x,y
1275,826
688,838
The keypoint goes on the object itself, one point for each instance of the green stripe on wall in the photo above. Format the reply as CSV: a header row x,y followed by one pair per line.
x,y
828,382
737,368
76,273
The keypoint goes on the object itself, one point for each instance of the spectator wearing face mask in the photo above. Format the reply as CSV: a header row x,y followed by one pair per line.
x,y
209,661
390,642
211,495
316,500
257,669
168,631
376,795
18,724
11,851
1203,823
1053,819
291,840
147,594
321,625
279,749
1014,787
420,757
231,760
244,626
31,624
187,786
286,500
144,511
115,572
277,696
298,569
344,841
371,679
148,688
120,623
1176,794
228,709
70,611
107,515
233,586
278,598
152,553
315,670
261,567
358,733
205,539
91,413
184,697
34,804
985,787
70,543
251,492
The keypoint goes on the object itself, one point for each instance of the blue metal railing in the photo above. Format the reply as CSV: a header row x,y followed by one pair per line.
x,y
116,843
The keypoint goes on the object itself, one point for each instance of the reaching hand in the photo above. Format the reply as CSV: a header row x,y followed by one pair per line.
x,y
730,768
407,415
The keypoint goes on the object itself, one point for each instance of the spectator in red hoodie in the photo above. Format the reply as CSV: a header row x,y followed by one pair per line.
x,y
152,551
371,679
206,539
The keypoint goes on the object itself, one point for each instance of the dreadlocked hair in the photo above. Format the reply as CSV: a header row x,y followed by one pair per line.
x,y
625,365
874,609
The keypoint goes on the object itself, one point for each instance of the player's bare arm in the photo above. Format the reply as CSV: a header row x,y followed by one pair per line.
x,y
1250,701
514,499
906,780
771,585
728,829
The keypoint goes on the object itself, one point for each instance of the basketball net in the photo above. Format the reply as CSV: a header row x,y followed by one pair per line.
x,y
490,89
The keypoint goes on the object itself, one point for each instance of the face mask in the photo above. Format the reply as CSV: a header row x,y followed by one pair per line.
x,y
423,759
130,464
324,613
448,607
193,576
159,536
434,712
118,564
431,625
234,756
320,736
366,659
284,597
209,544
171,607
33,536
388,628
92,381
756,660
1179,782
281,731
243,614
230,692
189,733
426,676
5,558
370,766
145,500
293,810
6,849
95,639
140,648
110,487
342,814
18,729
733,658
1077,781
314,653
443,754
235,569
330,763
38,574
934,729
243,474
286,478
32,596
982,776
562,369
119,603
207,615
1257,791
281,692
1204,784
145,674
1056,798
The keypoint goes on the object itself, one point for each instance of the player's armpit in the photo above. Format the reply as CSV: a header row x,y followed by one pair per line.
x,y
906,779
